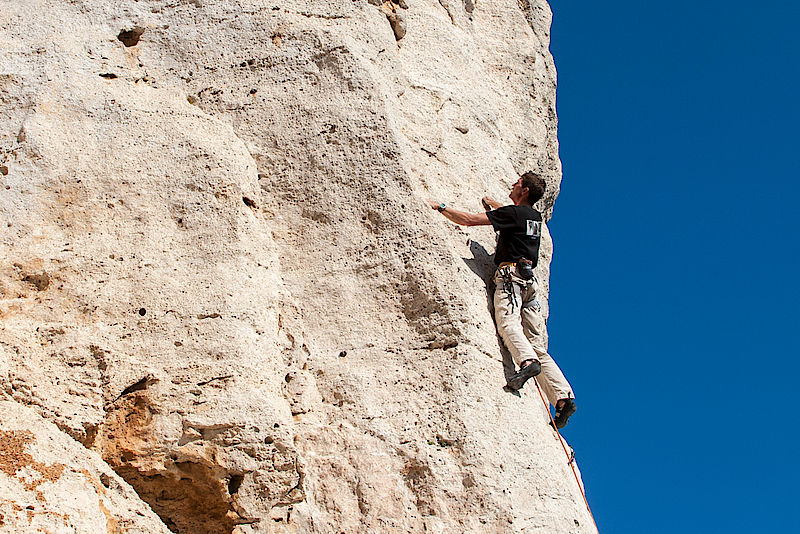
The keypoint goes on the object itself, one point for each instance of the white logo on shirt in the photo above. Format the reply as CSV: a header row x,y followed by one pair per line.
x,y
534,228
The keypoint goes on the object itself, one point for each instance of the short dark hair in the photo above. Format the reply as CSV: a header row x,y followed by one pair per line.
x,y
535,184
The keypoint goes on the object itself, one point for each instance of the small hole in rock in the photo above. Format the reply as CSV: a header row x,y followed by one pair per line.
x,y
268,440
249,203
3,170
138,386
40,281
130,37
343,354
276,425
109,75
142,312
234,483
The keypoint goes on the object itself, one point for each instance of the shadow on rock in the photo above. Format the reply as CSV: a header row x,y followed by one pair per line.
x,y
482,264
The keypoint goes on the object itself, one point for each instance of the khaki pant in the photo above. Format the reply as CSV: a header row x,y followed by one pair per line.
x,y
519,320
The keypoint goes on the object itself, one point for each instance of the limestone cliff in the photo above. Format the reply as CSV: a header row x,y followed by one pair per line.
x,y
222,296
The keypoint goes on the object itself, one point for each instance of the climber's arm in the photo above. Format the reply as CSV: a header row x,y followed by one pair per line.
x,y
460,217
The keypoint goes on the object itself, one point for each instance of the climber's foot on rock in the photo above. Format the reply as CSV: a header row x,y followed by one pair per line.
x,y
564,409
529,369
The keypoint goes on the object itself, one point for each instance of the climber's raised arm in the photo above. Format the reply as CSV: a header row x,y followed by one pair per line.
x,y
459,217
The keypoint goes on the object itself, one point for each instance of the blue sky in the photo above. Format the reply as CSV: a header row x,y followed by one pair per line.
x,y
674,296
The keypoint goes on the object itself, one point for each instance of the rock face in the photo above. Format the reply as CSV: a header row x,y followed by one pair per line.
x,y
50,482
217,271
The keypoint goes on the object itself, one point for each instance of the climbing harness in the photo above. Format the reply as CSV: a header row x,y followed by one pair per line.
x,y
524,269
570,457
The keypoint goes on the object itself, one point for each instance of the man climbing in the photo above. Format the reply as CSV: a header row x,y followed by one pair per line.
x,y
517,312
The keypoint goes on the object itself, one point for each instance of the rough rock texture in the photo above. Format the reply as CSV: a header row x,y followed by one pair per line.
x,y
49,480
217,270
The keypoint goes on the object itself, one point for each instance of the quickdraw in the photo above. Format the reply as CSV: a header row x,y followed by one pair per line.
x,y
508,287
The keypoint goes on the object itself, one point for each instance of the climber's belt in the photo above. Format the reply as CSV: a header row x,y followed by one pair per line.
x,y
523,268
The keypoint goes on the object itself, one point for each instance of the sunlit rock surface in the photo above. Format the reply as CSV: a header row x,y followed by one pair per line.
x,y
217,271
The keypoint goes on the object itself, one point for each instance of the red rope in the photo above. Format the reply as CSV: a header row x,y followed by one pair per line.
x,y
570,458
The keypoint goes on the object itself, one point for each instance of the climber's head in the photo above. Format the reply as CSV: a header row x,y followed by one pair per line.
x,y
528,189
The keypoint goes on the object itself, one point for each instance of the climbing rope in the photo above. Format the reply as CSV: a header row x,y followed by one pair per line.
x,y
570,457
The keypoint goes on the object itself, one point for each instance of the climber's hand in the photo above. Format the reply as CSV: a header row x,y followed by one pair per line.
x,y
489,203
433,205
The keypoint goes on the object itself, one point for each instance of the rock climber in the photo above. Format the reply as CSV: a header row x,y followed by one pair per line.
x,y
517,312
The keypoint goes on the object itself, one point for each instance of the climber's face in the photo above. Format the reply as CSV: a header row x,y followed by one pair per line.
x,y
518,194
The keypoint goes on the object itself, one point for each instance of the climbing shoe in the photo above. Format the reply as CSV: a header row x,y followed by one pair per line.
x,y
522,376
563,413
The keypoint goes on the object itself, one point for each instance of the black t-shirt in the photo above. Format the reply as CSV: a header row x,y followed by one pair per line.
x,y
520,230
